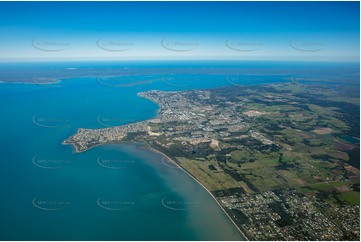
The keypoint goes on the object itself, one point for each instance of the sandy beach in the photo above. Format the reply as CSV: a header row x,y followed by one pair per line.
x,y
214,198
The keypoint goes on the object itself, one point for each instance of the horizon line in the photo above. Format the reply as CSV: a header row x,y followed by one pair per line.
x,y
173,60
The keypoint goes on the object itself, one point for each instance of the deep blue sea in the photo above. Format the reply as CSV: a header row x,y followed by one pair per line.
x,y
111,192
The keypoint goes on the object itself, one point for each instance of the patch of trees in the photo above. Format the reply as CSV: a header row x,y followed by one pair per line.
x,y
286,218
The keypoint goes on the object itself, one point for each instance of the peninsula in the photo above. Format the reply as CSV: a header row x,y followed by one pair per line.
x,y
274,156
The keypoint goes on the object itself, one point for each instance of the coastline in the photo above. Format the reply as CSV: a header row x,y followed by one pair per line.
x,y
147,146
65,142
150,148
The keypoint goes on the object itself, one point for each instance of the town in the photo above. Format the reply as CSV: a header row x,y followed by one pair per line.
x,y
277,163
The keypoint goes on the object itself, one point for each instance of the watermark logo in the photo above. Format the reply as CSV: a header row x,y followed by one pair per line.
x,y
50,163
114,204
242,80
117,81
243,46
114,46
179,45
305,79
49,122
46,81
178,80
178,205
50,46
112,121
50,204
169,163
308,46
115,164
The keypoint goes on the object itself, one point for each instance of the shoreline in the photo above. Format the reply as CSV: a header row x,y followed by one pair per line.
x,y
150,148
65,142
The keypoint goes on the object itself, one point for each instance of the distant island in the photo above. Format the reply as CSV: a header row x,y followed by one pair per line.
x,y
277,157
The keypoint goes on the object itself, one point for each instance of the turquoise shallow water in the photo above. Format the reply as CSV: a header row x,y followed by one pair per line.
x,y
111,192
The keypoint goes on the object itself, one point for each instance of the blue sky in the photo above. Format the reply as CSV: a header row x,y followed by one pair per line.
x,y
179,30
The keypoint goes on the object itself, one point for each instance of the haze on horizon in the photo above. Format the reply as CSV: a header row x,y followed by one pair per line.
x,y
301,31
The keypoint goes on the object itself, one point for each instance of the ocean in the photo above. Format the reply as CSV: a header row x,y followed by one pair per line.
x,y
111,192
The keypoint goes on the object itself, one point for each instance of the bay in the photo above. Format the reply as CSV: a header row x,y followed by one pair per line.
x,y
111,192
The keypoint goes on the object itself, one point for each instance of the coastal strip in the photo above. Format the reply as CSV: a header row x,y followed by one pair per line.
x,y
151,149
85,139
195,179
